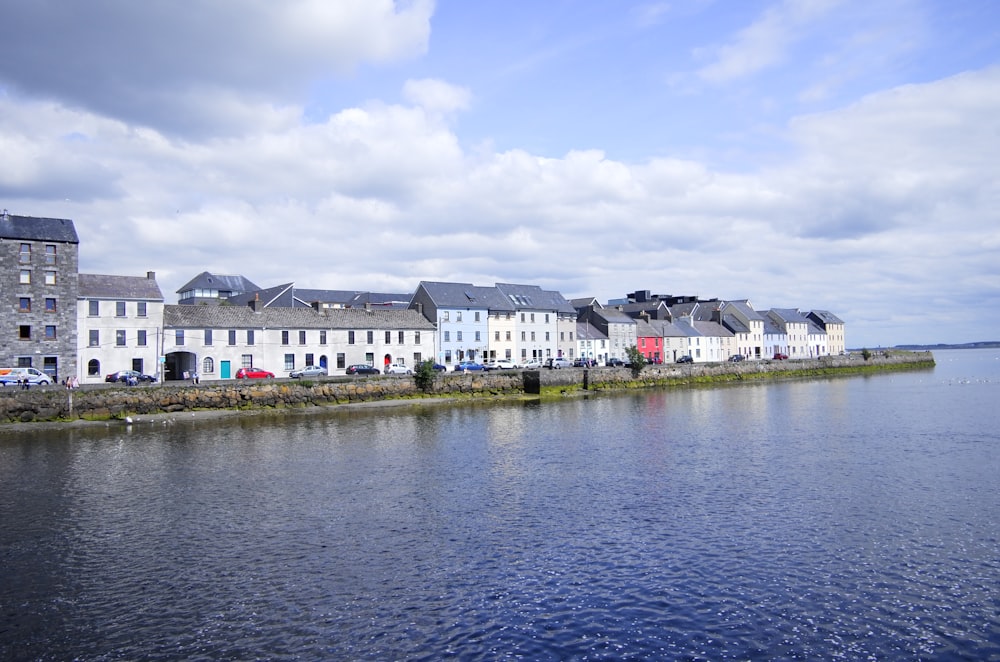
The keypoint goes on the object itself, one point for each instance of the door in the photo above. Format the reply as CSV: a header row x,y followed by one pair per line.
x,y
224,370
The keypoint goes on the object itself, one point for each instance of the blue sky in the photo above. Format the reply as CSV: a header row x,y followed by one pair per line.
x,y
828,154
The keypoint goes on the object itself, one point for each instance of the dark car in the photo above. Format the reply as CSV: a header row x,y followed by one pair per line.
x,y
778,356
583,363
362,369
126,375
685,359
736,358
439,368
463,366
614,363
253,373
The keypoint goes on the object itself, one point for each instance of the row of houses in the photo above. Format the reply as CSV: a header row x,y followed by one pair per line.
x,y
89,325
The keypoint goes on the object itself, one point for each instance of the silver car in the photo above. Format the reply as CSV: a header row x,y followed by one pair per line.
x,y
309,371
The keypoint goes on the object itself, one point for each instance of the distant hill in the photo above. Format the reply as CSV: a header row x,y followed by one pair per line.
x,y
987,344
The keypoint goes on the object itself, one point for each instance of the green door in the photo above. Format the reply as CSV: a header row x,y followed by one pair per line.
x,y
224,369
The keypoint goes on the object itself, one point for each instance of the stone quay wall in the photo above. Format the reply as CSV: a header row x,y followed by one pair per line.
x,y
100,402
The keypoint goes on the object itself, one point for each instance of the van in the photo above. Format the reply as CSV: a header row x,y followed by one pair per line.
x,y
14,376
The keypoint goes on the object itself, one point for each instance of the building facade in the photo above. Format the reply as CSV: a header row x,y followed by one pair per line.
x,y
39,262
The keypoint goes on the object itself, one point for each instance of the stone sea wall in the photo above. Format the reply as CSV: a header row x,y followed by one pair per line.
x,y
54,403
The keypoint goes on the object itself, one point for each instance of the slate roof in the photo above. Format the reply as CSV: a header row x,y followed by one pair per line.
x,y
208,281
742,306
279,296
614,316
32,228
119,287
771,327
242,317
533,297
789,315
824,317
734,324
712,329
666,329
466,295
586,331
584,302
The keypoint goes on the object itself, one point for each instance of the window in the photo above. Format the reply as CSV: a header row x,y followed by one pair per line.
x,y
140,309
447,356
546,318
388,337
532,336
208,337
532,318
208,365
341,360
246,361
522,317
322,337
371,337
137,365
458,336
50,278
25,257
401,341
25,277
24,304
50,331
447,336
309,359
508,335
477,315
416,337
94,308
546,336
24,362
302,337
523,336
232,337
249,342
119,309
458,316
350,337
94,368
417,358
50,305
444,317
24,332
562,336
284,337
179,337
95,338
289,362
50,254
571,336
140,338
120,338
478,339
496,336
370,358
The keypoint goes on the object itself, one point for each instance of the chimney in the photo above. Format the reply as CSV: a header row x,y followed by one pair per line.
x,y
151,275
368,306
255,304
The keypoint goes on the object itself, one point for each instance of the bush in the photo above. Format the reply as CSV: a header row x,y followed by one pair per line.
x,y
636,360
424,376
865,354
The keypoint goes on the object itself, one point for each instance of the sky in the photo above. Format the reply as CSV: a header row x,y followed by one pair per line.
x,y
836,155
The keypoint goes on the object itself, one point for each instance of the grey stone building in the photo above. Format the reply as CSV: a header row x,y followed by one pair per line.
x,y
39,284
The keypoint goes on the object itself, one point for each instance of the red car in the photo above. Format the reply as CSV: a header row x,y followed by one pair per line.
x,y
780,357
253,373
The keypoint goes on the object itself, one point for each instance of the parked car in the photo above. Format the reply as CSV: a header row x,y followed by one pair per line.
x,y
584,363
778,356
503,364
362,369
14,376
253,373
557,362
309,371
615,363
396,369
439,368
463,366
736,358
685,359
533,364
126,375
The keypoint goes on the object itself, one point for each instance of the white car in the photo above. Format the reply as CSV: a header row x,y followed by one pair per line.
x,y
533,364
557,362
396,369
503,364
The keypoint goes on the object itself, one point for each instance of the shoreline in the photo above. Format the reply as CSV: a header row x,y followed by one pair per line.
x,y
51,408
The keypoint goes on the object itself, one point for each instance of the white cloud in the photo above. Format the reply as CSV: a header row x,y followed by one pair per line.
x,y
765,42
436,95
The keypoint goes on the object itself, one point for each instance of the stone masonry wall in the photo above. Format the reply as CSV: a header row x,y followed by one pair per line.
x,y
99,402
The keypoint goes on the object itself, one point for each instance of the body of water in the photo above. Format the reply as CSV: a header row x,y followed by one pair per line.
x,y
847,518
